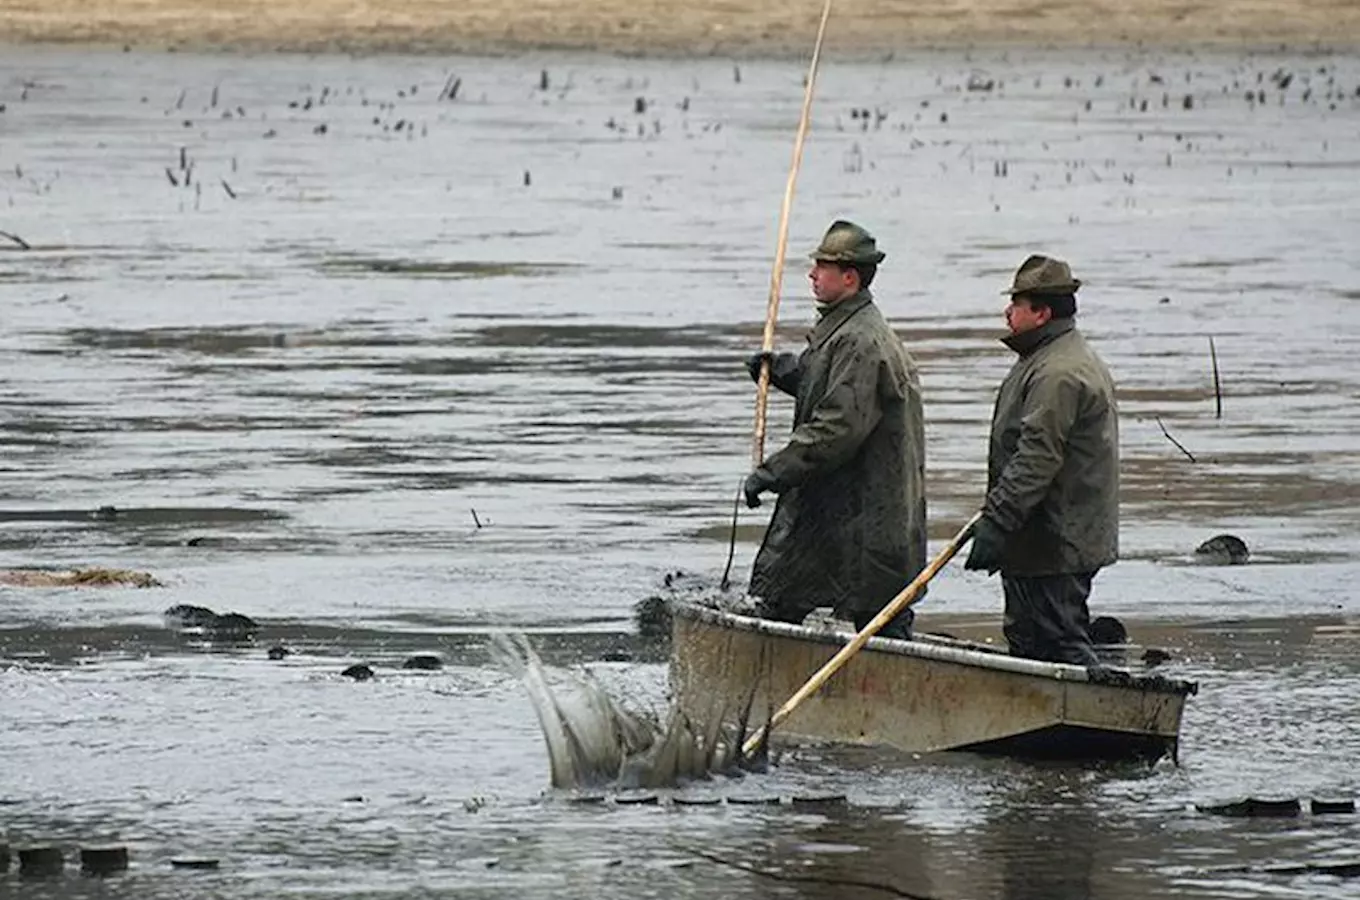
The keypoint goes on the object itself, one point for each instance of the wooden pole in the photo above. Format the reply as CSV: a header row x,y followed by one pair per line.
x,y
777,276
904,599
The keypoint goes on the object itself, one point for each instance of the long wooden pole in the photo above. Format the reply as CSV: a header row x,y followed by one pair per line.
x,y
777,276
904,599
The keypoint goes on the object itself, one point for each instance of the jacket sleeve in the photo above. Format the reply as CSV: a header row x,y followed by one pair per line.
x,y
837,424
1047,414
786,371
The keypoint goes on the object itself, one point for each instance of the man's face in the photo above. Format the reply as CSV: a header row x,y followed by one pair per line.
x,y
1022,317
831,283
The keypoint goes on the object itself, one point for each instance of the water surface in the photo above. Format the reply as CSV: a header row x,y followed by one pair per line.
x,y
388,371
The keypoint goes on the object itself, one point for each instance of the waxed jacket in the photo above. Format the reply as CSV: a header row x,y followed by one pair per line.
x,y
1053,458
849,528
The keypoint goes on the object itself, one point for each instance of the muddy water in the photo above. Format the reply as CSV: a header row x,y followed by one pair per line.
x,y
446,366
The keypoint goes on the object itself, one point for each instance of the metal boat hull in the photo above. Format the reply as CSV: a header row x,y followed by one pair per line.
x,y
921,696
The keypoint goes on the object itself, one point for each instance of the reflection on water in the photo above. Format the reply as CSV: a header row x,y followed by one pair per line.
x,y
442,368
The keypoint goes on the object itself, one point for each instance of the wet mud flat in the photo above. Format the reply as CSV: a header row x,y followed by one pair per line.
x,y
387,354
294,778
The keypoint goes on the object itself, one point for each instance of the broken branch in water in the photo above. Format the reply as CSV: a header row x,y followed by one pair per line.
x,y
23,244
1179,446
476,521
732,539
451,86
1218,389
811,879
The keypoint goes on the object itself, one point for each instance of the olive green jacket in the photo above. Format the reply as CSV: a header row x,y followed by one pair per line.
x,y
1053,461
849,529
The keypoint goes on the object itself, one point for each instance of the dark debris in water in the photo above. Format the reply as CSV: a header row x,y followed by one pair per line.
x,y
541,334
457,269
215,340
1255,807
232,627
193,863
358,672
682,798
459,642
1335,869
1223,549
146,515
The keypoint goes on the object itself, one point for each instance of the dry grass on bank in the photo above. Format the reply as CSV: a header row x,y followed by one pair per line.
x,y
701,27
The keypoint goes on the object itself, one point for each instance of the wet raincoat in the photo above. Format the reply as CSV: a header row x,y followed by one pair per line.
x,y
849,528
1053,460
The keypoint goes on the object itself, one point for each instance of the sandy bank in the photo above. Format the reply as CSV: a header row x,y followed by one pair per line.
x,y
700,28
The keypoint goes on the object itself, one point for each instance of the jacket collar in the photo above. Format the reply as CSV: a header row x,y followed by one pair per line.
x,y
1029,341
836,316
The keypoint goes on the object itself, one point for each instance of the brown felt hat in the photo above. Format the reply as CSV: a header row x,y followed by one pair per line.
x,y
1043,275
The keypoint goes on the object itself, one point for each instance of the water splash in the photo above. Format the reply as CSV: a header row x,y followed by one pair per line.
x,y
595,741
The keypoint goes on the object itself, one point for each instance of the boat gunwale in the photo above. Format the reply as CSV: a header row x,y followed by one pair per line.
x,y
938,649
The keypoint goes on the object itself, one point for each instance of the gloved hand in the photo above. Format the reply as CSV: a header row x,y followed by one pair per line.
x,y
757,483
989,547
753,363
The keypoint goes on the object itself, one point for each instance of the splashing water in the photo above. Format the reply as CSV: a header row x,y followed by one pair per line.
x,y
594,741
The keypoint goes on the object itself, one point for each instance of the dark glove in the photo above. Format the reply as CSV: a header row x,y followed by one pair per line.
x,y
989,547
753,363
757,483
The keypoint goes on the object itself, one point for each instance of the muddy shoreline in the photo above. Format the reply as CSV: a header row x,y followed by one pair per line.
x,y
857,29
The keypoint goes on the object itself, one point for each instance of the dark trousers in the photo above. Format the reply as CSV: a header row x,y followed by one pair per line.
x,y
899,626
1046,618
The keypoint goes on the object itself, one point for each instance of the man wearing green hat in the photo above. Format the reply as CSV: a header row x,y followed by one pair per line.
x,y
849,527
1051,517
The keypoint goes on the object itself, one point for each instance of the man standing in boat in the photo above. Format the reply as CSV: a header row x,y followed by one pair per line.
x,y
1051,518
849,527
